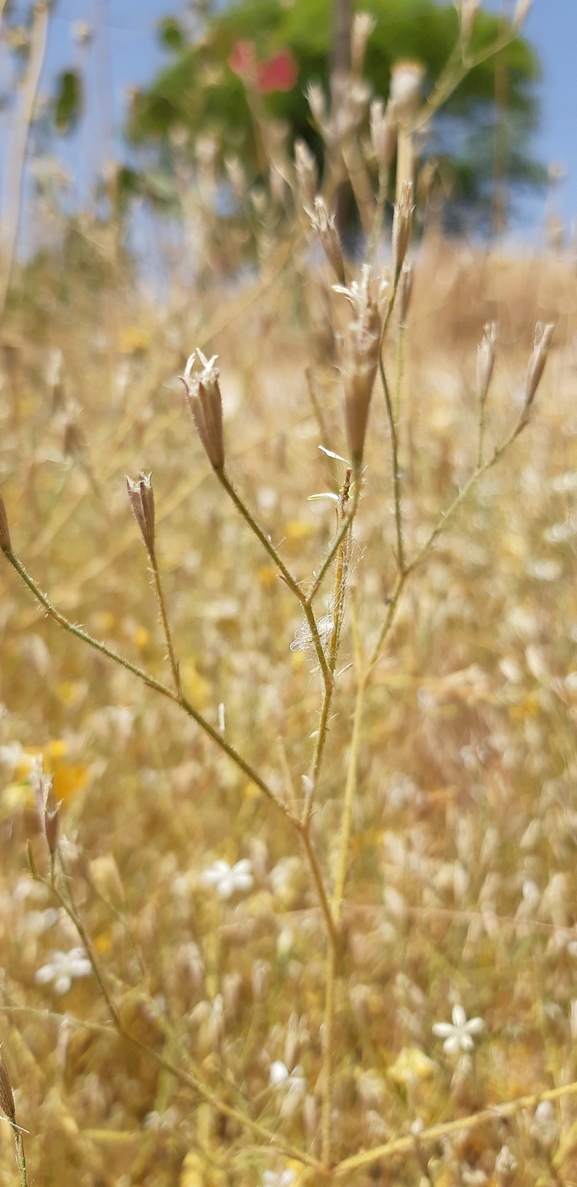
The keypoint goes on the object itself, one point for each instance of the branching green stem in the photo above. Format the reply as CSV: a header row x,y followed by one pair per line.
x,y
147,679
286,575
165,624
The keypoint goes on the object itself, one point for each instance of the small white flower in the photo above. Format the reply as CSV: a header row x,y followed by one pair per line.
x,y
458,1035
226,879
279,1073
278,1178
63,968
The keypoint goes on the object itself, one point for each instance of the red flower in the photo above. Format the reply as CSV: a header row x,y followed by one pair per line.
x,y
278,73
242,60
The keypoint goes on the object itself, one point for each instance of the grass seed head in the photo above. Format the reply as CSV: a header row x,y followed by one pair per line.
x,y
203,397
141,498
5,544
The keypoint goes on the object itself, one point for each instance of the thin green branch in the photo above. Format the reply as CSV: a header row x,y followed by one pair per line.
x,y
286,575
395,468
165,623
147,679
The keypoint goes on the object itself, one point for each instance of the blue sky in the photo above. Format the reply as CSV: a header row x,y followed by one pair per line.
x,y
128,55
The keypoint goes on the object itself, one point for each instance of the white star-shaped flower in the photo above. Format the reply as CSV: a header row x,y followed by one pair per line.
x,y
458,1034
63,968
226,879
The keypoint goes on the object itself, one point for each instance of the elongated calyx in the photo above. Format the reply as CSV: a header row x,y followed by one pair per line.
x,y
203,397
6,1094
362,344
486,360
402,223
141,498
536,365
5,544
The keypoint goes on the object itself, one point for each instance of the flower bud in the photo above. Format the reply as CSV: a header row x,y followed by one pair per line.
x,y
324,225
205,402
536,366
141,498
406,86
360,360
5,544
486,360
363,26
52,827
402,223
6,1094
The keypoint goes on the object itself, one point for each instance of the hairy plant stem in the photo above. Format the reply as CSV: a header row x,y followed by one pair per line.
x,y
395,466
164,621
286,575
20,1156
339,594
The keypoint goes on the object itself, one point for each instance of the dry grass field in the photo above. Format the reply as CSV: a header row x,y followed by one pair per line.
x,y
162,1026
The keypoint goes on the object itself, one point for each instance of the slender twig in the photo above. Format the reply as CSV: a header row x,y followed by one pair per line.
x,y
336,543
440,526
395,467
319,882
286,575
338,606
165,623
328,1056
434,1132
18,146
147,679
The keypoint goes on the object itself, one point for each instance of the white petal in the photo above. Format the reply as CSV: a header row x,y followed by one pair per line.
x,y
474,1026
45,974
452,1045
459,1017
466,1042
443,1029
62,984
278,1073
243,867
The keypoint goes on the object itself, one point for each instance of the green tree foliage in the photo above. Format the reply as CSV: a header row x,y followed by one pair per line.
x,y
200,92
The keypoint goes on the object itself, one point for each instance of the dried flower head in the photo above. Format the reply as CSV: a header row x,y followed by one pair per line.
x,y
141,498
317,103
536,366
363,26
205,402
6,1095
324,225
486,360
406,84
5,544
383,135
402,223
360,360
307,173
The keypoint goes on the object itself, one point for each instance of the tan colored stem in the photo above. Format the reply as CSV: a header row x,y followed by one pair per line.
x,y
18,146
